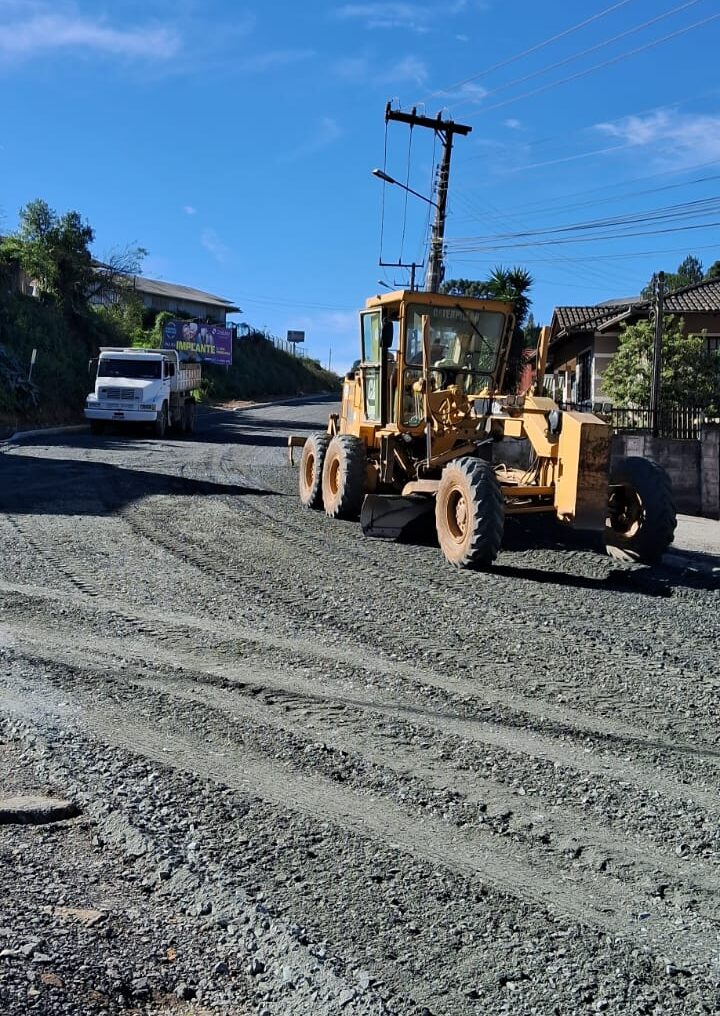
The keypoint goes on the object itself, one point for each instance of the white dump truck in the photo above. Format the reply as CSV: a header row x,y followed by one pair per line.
x,y
143,386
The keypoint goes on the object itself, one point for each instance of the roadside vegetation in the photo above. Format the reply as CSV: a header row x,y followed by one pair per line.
x,y
66,324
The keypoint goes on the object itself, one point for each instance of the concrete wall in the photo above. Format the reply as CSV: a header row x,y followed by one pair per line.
x,y
681,460
693,466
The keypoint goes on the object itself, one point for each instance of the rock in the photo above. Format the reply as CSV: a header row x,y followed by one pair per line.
x,y
35,810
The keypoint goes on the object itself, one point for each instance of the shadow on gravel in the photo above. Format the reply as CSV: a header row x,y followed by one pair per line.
x,y
539,535
30,485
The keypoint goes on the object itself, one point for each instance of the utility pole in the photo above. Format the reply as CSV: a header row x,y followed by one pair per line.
x,y
655,387
445,131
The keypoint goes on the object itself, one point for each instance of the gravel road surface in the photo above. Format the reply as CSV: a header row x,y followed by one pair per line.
x,y
320,774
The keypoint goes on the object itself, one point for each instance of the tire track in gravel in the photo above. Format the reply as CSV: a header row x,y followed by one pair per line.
x,y
512,737
270,551
465,852
462,851
296,693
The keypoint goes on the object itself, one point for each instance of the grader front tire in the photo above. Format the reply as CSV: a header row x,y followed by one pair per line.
x,y
344,477
311,469
641,513
469,514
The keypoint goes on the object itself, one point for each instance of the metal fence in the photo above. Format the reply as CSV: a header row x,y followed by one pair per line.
x,y
683,422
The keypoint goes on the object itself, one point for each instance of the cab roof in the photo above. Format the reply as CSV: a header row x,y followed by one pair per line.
x,y
436,300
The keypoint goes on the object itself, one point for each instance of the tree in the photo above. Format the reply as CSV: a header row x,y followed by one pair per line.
x,y
690,372
532,332
689,273
713,271
466,287
54,251
510,284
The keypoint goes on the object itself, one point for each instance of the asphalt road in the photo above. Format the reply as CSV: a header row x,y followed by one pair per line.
x,y
324,774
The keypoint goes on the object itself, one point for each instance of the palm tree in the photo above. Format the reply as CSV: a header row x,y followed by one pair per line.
x,y
511,284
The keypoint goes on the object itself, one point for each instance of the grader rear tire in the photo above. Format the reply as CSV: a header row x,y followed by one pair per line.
x,y
311,470
344,477
469,513
641,513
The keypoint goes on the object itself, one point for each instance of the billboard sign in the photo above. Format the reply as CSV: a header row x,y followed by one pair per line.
x,y
209,343
295,336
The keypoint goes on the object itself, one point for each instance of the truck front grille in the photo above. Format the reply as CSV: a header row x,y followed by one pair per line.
x,y
119,394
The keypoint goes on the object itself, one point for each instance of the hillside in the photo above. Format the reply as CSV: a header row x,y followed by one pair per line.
x,y
60,380
259,370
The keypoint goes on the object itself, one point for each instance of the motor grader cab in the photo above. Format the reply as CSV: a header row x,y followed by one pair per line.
x,y
425,423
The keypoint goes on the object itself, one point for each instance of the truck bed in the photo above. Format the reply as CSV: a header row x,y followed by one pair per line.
x,y
187,378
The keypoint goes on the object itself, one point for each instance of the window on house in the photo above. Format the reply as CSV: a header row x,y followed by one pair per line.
x,y
713,343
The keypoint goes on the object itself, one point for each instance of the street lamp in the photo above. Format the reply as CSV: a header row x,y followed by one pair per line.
x,y
388,179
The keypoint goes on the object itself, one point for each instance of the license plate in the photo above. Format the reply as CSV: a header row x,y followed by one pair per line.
x,y
118,416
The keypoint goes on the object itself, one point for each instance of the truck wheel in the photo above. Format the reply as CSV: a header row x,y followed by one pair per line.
x,y
97,427
344,477
641,512
188,421
469,513
311,470
161,423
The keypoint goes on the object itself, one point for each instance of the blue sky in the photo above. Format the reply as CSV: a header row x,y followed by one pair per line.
x,y
236,141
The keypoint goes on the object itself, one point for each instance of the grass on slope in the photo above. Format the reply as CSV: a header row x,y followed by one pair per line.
x,y
260,370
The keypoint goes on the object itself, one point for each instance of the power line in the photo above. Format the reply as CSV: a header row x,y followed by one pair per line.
x,y
601,66
591,258
591,49
538,208
466,247
685,209
533,49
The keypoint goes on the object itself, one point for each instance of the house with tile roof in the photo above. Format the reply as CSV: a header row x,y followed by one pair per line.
x,y
159,296
583,340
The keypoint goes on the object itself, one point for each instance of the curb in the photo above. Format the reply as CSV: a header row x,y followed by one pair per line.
x,y
42,431
318,396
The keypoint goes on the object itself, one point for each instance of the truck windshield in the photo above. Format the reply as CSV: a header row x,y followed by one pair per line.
x,y
146,370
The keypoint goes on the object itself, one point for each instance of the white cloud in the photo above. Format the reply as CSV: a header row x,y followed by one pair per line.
x,y
326,133
469,92
189,210
354,68
407,69
45,32
682,138
514,125
214,245
272,60
407,16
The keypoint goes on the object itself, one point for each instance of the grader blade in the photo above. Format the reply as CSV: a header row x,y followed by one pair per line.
x,y
392,517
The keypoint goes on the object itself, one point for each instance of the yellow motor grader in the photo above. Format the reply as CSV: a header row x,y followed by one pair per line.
x,y
425,422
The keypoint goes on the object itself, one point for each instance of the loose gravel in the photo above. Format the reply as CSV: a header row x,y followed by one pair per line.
x,y
314,773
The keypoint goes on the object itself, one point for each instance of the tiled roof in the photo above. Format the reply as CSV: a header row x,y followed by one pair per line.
x,y
702,297
573,319
175,292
